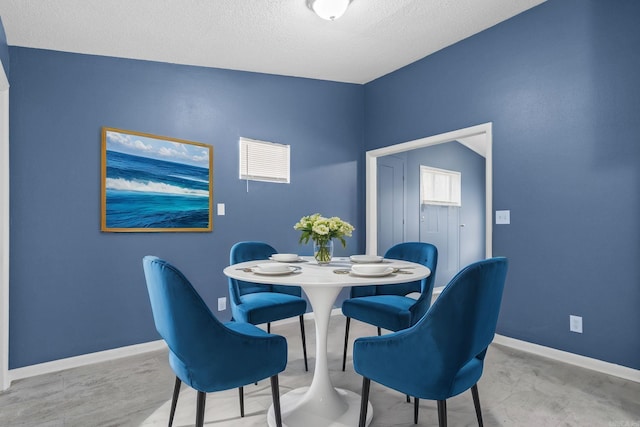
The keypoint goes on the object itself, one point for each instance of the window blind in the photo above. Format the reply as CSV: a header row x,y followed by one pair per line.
x,y
264,161
440,186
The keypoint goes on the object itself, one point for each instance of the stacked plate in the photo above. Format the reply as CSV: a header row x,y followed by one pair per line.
x,y
371,270
273,269
366,259
285,257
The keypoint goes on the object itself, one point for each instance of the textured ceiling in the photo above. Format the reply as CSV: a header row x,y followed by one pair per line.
x,y
373,38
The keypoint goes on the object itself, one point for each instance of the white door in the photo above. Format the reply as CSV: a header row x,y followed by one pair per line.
x,y
440,226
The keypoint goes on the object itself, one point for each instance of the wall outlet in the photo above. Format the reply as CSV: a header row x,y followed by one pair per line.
x,y
222,304
575,323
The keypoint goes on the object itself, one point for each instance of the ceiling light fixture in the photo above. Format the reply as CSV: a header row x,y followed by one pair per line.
x,y
329,9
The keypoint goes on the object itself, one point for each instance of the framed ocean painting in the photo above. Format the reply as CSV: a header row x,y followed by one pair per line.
x,y
154,183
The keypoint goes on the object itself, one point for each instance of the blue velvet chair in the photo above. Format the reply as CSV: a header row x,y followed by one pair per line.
x,y
256,303
204,353
443,354
386,306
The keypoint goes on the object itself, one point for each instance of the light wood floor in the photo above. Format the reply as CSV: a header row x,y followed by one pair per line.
x,y
517,389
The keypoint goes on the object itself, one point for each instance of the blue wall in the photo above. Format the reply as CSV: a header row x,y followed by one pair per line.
x,y
75,290
561,84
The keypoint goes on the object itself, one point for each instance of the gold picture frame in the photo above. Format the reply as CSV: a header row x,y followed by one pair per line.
x,y
154,183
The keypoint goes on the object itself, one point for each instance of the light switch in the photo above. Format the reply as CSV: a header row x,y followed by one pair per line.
x,y
220,209
503,217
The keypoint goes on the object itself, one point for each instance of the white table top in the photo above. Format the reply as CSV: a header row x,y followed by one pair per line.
x,y
311,274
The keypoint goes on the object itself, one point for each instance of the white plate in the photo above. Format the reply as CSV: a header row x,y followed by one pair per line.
x,y
263,272
366,258
386,272
375,268
294,258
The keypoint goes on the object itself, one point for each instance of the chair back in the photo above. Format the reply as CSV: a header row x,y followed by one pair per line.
x,y
204,353
248,251
252,251
443,353
193,334
462,321
181,317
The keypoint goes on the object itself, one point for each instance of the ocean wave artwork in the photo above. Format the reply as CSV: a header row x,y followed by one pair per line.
x,y
155,184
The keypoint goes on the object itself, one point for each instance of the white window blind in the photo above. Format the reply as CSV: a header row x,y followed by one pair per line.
x,y
440,186
264,161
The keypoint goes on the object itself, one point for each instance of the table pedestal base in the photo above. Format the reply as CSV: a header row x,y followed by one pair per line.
x,y
300,412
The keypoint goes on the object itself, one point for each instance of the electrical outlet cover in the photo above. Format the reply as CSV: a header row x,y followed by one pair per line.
x,y
575,324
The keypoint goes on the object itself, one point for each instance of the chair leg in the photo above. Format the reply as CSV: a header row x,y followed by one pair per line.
x,y
476,404
275,394
364,401
442,413
408,399
241,397
416,407
379,331
174,401
346,341
202,398
304,342
268,327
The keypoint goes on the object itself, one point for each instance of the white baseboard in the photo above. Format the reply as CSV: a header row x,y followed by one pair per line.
x,y
133,350
559,355
107,355
85,359
570,358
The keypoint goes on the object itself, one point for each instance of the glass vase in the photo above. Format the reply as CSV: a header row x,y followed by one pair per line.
x,y
323,251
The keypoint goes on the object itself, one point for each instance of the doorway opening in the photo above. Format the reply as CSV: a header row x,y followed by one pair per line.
x,y
477,138
441,212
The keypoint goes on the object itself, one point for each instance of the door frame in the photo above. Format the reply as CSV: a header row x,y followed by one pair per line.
x,y
4,230
371,176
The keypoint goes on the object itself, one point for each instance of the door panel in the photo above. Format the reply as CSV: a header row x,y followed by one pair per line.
x,y
440,226
390,202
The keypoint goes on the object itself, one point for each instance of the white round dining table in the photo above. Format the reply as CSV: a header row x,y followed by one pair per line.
x,y
321,404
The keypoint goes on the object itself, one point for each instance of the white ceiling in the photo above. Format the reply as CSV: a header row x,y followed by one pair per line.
x,y
373,38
